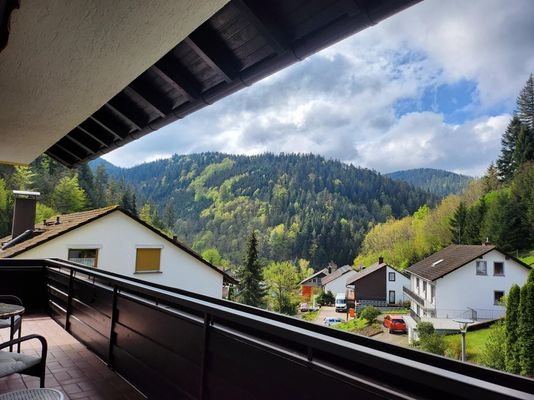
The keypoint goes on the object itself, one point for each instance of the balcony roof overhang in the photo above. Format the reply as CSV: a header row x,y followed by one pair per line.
x,y
77,82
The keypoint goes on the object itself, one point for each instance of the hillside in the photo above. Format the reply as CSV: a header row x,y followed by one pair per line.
x,y
302,206
436,181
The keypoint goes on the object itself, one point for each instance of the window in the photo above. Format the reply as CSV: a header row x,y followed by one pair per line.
x,y
147,260
87,257
391,276
497,295
482,268
417,283
432,293
424,286
391,297
498,268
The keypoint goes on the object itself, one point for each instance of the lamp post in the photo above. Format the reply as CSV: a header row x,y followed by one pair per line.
x,y
463,329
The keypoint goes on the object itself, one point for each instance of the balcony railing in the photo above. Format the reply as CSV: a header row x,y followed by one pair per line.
x,y
414,296
172,344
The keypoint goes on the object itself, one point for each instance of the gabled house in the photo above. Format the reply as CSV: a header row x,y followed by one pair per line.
x,y
462,281
112,239
336,281
379,285
313,281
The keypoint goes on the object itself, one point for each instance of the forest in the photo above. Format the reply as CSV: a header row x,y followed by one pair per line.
x,y
436,181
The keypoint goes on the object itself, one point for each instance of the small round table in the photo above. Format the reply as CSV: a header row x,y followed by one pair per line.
x,y
33,394
11,311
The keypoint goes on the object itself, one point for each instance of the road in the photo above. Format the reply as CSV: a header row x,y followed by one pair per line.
x,y
398,339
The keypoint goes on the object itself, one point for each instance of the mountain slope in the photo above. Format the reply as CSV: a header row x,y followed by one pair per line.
x,y
302,206
436,181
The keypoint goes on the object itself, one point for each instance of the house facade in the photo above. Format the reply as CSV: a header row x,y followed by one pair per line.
x,y
312,282
379,284
462,282
114,240
337,280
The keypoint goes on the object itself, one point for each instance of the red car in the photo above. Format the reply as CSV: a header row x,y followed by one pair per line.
x,y
395,323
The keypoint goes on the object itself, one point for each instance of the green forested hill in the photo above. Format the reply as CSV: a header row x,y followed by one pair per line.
x,y
436,181
302,206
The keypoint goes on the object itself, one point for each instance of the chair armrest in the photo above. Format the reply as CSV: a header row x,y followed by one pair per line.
x,y
10,299
44,344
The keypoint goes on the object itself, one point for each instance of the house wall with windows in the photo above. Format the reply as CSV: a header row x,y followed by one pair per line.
x,y
122,243
467,287
395,281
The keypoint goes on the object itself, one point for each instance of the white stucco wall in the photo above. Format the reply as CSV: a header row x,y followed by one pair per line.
x,y
397,285
338,285
117,236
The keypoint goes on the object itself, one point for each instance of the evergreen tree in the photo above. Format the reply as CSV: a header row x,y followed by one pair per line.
x,y
68,197
526,329
512,344
458,224
87,183
506,163
525,104
490,181
250,287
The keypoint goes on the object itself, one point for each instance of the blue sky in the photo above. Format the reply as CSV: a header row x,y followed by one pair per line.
x,y
433,86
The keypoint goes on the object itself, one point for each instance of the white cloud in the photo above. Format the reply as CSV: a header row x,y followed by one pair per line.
x,y
342,102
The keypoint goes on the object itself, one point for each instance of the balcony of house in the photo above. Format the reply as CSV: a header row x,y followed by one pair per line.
x,y
167,343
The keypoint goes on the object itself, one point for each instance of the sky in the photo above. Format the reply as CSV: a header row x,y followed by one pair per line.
x,y
431,87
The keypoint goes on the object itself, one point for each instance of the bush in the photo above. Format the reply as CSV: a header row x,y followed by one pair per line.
x,y
369,313
425,329
326,298
454,350
433,343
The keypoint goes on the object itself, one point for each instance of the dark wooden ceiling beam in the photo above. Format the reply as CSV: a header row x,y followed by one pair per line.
x,y
124,114
176,76
53,153
104,126
145,96
82,145
94,137
64,149
213,52
260,16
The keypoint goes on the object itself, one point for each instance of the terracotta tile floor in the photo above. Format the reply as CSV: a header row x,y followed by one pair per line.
x,y
71,367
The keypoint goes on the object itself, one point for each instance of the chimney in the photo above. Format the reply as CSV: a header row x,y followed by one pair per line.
x,y
24,212
381,260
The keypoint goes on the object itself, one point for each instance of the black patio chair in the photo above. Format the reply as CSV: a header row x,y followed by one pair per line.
x,y
20,363
6,323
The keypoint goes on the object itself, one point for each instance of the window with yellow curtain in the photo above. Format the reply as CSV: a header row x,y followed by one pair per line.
x,y
147,260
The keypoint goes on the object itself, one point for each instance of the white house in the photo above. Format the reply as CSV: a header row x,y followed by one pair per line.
x,y
462,281
115,240
335,282
379,284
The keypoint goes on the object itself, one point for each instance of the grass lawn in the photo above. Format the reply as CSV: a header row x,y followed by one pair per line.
x,y
474,341
395,311
354,325
310,316
528,260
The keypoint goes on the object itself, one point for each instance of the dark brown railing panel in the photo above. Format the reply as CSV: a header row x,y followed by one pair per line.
x,y
170,343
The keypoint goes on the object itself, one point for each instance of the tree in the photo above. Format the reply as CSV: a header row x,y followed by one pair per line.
x,y
490,181
282,282
146,213
526,329
511,342
525,104
87,183
250,288
507,163
458,224
68,196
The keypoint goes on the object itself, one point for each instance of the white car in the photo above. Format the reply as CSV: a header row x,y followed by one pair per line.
x,y
329,321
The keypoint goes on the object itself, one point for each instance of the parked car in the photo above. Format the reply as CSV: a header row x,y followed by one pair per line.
x,y
395,323
329,321
304,307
